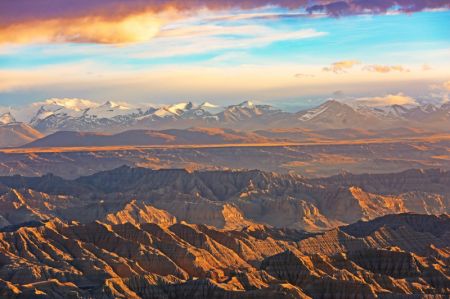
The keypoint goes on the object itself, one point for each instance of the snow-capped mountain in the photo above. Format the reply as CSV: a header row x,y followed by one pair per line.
x,y
394,111
246,111
172,111
56,115
334,115
7,118
83,115
109,110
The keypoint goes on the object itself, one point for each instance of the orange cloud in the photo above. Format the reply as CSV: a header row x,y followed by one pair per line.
x,y
426,67
341,66
388,100
134,28
446,85
119,21
376,68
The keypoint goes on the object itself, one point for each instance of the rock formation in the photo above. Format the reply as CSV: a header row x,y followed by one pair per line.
x,y
224,199
372,259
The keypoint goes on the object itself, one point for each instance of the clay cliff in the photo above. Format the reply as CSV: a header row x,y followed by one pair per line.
x,y
141,233
224,199
393,256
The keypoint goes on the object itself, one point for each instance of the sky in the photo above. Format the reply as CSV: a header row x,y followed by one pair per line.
x,y
287,53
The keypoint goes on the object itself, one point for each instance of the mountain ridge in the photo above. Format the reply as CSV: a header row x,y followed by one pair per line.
x,y
226,198
114,117
183,260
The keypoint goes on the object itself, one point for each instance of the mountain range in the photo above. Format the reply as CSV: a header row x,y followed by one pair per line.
x,y
112,117
140,233
225,199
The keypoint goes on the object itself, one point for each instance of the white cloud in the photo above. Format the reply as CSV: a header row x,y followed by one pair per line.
x,y
440,92
189,40
69,103
387,100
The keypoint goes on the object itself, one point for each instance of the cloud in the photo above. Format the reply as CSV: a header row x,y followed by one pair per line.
x,y
446,85
426,67
377,68
69,103
440,92
214,38
341,66
301,75
352,7
118,21
338,94
387,100
136,28
443,86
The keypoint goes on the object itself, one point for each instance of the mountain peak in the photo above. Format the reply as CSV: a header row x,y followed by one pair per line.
x,y
180,107
430,108
247,104
207,105
112,105
73,104
333,102
7,118
445,106
109,104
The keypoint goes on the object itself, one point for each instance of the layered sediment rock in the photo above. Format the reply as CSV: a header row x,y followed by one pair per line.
x,y
61,260
224,199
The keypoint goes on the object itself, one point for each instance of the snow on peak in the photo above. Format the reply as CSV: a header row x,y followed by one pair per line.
x,y
173,110
395,110
429,108
445,106
113,105
67,103
163,112
180,108
111,109
210,108
7,118
207,105
247,104
312,113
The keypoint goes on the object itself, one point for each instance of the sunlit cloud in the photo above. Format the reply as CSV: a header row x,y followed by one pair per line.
x,y
196,82
341,66
302,75
135,28
441,91
69,103
187,39
387,100
117,22
426,67
446,85
352,7
377,68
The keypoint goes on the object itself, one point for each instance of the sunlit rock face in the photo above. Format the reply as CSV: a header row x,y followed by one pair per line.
x,y
223,199
140,233
53,259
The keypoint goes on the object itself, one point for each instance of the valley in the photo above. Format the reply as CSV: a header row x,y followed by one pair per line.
x,y
318,158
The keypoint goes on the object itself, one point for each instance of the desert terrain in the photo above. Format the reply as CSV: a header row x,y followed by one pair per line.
x,y
140,233
313,158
